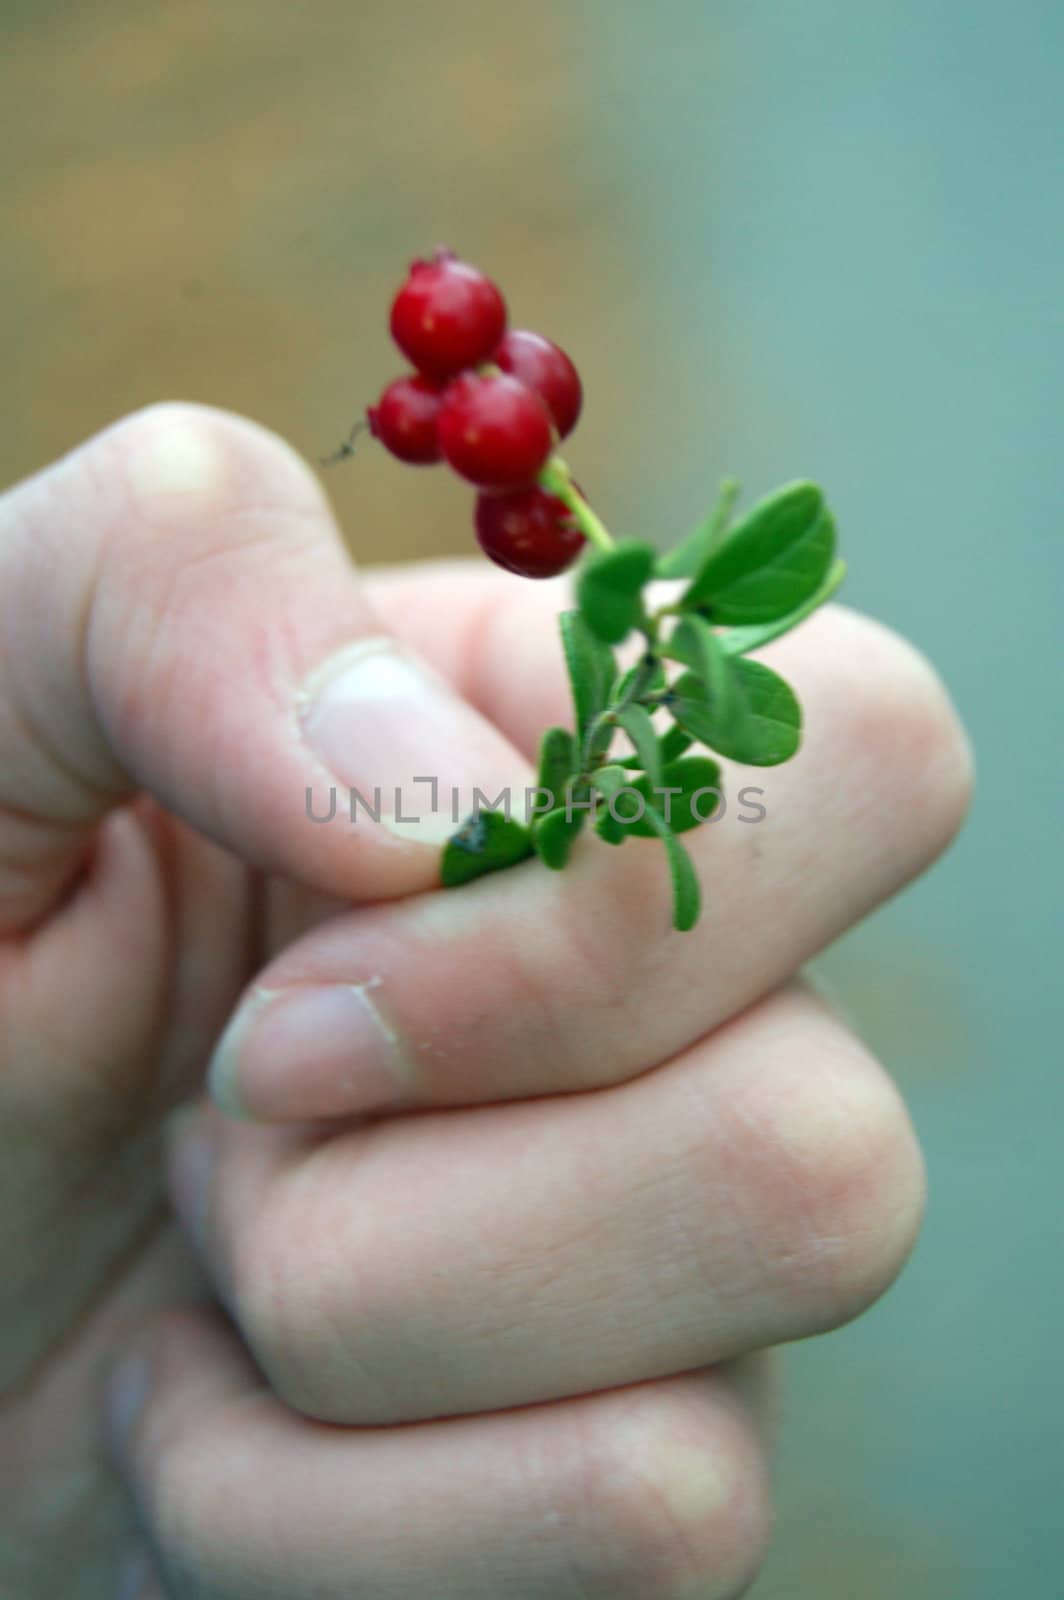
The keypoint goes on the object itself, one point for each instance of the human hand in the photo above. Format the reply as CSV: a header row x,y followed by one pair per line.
x,y
165,594
605,1168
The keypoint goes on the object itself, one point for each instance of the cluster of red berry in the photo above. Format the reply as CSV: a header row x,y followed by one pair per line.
x,y
492,403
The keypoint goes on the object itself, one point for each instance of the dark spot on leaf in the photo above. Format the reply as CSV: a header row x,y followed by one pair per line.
x,y
472,836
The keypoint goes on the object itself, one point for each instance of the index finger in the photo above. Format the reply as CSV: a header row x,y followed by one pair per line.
x,y
530,982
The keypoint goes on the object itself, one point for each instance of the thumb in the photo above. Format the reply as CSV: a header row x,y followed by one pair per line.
x,y
178,614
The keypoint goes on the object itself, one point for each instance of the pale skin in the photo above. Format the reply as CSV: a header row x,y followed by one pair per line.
x,y
523,1200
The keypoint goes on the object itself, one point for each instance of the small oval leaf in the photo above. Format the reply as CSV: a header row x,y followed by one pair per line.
x,y
554,834
770,563
696,778
695,644
673,742
736,641
609,589
686,891
558,762
763,726
591,667
486,842
637,724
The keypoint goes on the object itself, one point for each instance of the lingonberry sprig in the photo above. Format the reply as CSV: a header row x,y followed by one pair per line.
x,y
494,404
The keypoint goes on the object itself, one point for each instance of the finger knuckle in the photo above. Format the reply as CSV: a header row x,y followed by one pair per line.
x,y
183,1488
295,1275
844,1182
674,1504
188,1507
271,1296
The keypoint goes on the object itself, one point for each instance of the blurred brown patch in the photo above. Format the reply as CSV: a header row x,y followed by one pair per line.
x,y
217,203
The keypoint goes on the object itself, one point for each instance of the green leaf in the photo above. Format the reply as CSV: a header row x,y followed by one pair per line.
x,y
672,743
609,589
486,842
559,760
684,560
736,641
695,644
686,892
609,829
591,666
649,682
691,775
554,834
764,724
599,743
771,563
611,781
636,722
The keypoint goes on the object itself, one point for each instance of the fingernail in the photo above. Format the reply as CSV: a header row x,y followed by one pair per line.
x,y
392,730
135,1577
190,1164
124,1397
318,1050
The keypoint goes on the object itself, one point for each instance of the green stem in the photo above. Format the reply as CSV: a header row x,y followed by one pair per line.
x,y
557,480
636,693
588,760
640,683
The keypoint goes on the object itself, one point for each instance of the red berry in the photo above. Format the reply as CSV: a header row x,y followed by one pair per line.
x,y
529,532
404,419
447,316
494,431
543,366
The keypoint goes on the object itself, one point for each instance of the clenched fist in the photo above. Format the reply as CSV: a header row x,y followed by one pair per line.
x,y
502,1191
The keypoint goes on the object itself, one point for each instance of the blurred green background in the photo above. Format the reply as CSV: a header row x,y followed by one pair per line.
x,y
810,238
